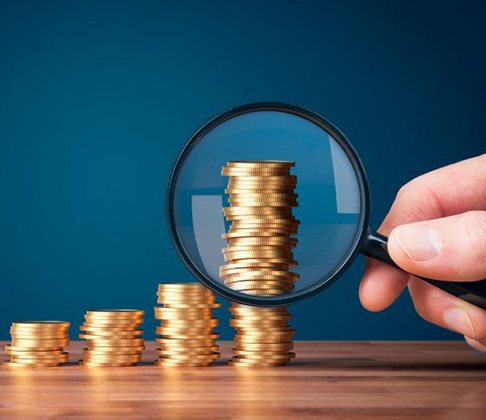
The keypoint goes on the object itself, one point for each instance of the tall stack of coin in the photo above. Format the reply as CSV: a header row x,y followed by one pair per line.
x,y
38,343
113,337
186,335
259,256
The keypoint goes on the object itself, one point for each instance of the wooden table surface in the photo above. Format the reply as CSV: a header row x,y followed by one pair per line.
x,y
343,380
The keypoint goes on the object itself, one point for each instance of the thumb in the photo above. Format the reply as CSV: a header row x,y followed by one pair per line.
x,y
450,248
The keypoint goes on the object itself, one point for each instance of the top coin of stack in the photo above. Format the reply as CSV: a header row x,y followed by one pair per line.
x,y
259,254
112,337
38,343
186,336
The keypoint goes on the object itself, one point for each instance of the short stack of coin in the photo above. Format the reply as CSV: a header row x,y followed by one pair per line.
x,y
113,337
259,256
38,343
263,336
186,335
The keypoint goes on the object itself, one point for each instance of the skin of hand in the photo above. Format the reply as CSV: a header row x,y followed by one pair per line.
x,y
436,229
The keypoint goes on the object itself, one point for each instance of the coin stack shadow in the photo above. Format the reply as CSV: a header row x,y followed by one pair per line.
x,y
186,335
38,343
259,257
113,337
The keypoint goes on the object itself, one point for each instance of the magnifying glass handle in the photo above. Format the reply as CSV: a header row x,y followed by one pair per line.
x,y
376,246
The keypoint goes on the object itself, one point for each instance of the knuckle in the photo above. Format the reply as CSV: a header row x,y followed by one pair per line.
x,y
474,227
415,202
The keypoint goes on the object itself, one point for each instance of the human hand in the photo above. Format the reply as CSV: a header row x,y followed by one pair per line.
x,y
436,229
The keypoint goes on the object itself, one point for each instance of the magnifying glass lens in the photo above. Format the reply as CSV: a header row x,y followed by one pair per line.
x,y
320,196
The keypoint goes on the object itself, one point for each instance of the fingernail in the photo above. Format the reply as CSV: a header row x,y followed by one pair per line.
x,y
457,319
419,242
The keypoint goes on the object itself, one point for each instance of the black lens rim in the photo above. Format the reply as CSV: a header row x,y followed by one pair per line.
x,y
308,291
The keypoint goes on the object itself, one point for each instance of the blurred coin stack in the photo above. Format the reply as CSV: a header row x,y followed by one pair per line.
x,y
113,337
259,256
38,343
186,335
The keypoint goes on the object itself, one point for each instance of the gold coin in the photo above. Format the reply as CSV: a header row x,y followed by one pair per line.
x,y
247,363
182,311
265,195
115,350
178,316
245,222
184,331
185,301
241,325
257,263
247,200
31,364
266,292
39,336
252,284
259,270
95,336
102,332
240,220
263,241
280,212
244,233
109,323
255,310
242,338
247,309
260,163
41,324
282,204
115,313
95,364
247,353
259,282
113,358
256,248
185,342
269,186
59,358
40,344
175,323
252,356
181,336
181,363
177,348
22,351
241,172
268,346
192,305
261,291
115,342
259,274
183,287
191,358
267,254
251,189
189,351
269,179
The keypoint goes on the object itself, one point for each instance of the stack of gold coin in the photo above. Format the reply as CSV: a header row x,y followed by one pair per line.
x,y
186,335
38,343
259,256
263,336
113,337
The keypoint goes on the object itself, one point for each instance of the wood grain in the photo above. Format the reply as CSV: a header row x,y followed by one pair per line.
x,y
339,380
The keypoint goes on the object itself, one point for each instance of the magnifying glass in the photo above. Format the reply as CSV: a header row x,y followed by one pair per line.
x,y
333,200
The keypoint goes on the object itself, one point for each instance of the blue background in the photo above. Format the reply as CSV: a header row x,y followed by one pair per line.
x,y
97,98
